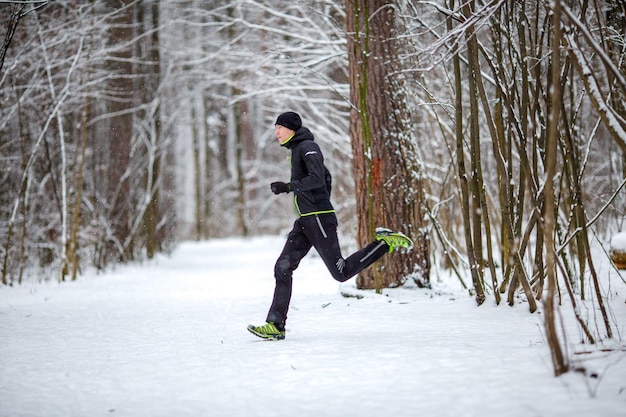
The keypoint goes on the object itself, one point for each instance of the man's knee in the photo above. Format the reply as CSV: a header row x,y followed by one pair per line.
x,y
338,270
283,270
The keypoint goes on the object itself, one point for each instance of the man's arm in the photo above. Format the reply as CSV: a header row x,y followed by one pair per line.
x,y
313,159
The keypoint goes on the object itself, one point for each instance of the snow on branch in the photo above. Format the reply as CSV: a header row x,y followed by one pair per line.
x,y
468,23
612,121
606,60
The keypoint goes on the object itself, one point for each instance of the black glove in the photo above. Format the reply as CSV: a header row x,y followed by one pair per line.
x,y
280,187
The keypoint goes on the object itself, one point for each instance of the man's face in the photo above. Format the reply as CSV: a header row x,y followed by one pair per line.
x,y
282,133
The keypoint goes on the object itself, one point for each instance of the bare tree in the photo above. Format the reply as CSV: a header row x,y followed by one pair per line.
x,y
532,113
61,214
250,67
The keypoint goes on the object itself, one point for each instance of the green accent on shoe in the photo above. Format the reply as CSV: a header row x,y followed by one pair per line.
x,y
393,239
267,331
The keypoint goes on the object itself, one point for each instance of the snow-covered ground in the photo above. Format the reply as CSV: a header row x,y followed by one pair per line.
x,y
169,338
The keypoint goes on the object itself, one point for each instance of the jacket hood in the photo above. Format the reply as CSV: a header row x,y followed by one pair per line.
x,y
301,134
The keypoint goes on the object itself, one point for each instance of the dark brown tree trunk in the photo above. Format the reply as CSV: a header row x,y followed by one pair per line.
x,y
120,127
388,178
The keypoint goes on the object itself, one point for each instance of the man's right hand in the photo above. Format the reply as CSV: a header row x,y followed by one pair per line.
x,y
280,187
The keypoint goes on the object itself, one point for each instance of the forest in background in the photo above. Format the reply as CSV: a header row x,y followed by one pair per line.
x,y
492,134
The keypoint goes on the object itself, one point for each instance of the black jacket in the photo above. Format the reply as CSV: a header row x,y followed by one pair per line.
x,y
310,180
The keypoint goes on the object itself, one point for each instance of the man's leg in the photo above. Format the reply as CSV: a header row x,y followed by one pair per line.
x,y
296,247
321,231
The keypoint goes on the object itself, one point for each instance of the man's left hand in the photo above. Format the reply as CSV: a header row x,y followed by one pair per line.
x,y
280,187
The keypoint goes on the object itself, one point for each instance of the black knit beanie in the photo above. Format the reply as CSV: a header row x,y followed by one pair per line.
x,y
290,120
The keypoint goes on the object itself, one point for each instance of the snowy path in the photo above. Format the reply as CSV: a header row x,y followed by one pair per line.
x,y
169,339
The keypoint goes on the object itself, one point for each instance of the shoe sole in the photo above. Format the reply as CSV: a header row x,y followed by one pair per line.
x,y
264,335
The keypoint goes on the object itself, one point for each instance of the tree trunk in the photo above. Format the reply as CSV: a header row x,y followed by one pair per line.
x,y
120,128
196,144
388,177
474,179
239,112
616,20
559,361
78,184
152,215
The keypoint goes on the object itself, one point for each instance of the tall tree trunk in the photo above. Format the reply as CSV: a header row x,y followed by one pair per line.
x,y
196,145
78,184
388,177
209,167
120,126
559,361
152,215
240,110
475,180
